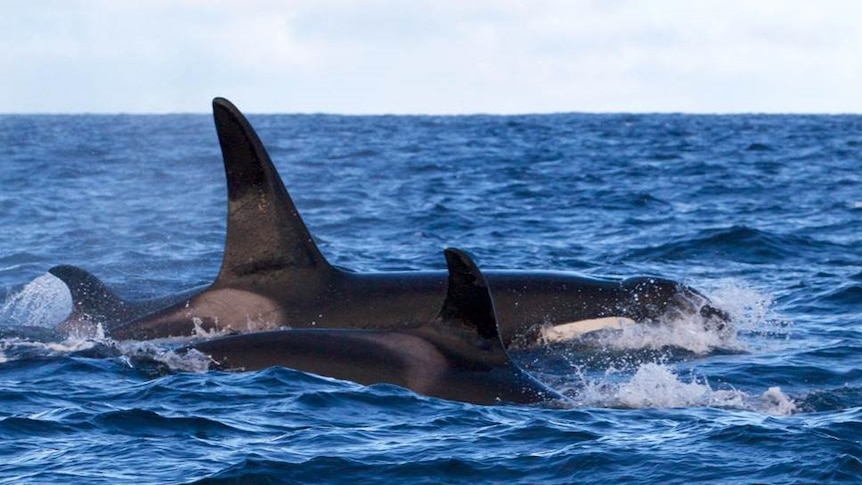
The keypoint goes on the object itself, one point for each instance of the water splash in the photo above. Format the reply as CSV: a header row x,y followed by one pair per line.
x,y
145,353
630,367
750,313
43,303
687,334
12,349
656,385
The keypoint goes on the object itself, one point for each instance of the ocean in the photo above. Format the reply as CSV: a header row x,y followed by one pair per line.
x,y
762,213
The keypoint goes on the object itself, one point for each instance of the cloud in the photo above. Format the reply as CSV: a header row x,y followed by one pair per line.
x,y
441,56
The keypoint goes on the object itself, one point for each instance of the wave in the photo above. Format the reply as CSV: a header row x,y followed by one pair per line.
x,y
330,469
846,295
148,423
740,244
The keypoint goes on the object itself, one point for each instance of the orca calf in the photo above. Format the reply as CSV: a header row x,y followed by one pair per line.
x,y
458,355
273,274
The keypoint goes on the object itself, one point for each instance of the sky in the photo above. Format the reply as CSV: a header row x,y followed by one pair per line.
x,y
431,57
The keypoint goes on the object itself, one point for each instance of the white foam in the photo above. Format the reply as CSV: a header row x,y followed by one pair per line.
x,y
16,349
184,361
655,385
776,402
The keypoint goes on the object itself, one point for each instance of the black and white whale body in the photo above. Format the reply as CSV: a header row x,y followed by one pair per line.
x,y
273,275
457,355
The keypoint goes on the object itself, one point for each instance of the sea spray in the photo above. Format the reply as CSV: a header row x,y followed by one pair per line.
x,y
656,385
43,303
147,354
750,313
632,367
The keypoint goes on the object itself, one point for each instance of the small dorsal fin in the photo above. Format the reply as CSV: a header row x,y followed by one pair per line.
x,y
91,299
264,230
468,302
468,313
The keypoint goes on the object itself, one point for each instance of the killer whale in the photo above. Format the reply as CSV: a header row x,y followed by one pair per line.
x,y
94,303
458,355
273,274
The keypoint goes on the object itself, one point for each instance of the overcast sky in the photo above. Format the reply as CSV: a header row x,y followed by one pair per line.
x,y
440,56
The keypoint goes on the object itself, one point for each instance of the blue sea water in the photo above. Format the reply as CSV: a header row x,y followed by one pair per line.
x,y
762,213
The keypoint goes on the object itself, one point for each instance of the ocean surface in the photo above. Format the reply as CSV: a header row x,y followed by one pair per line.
x,y
761,213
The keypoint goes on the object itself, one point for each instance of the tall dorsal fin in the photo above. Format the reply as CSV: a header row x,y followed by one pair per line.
x,y
468,305
265,233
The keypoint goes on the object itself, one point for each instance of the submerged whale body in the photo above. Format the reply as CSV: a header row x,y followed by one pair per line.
x,y
458,355
273,274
